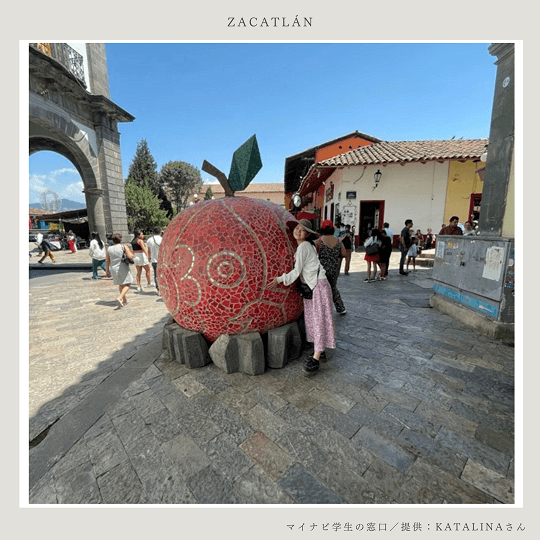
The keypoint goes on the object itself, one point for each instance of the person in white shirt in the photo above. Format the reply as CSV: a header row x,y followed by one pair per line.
x,y
39,239
318,310
98,252
153,244
389,231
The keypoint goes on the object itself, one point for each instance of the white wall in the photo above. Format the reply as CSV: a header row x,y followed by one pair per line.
x,y
81,49
411,191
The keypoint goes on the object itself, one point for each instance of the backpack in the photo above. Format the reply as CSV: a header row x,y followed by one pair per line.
x,y
372,248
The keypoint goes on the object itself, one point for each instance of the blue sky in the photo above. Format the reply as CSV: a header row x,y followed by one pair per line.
x,y
196,101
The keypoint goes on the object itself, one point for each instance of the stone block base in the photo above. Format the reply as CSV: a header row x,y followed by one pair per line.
x,y
284,344
184,346
232,353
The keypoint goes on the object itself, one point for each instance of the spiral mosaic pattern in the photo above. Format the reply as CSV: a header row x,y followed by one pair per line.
x,y
215,261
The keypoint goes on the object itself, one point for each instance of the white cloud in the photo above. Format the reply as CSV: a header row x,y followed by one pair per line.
x,y
73,191
65,182
37,183
211,180
65,170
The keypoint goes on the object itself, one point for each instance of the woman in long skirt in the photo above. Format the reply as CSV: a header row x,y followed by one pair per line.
x,y
318,310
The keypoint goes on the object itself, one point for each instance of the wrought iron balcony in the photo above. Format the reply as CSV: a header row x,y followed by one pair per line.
x,y
66,55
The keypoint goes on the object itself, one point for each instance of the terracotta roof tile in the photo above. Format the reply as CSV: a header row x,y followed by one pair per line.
x,y
393,152
408,151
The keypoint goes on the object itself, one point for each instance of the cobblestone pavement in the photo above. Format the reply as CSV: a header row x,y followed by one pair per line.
x,y
411,408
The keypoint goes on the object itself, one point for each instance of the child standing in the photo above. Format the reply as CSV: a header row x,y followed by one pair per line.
x,y
412,253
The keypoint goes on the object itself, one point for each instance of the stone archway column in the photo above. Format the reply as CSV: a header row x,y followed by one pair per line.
x,y
96,213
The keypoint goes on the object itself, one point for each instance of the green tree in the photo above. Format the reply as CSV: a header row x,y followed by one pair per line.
x,y
209,194
143,168
181,180
143,207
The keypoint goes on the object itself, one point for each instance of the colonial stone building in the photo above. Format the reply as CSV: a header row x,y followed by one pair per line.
x,y
70,112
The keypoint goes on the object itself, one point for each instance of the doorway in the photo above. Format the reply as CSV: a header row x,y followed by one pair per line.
x,y
371,217
474,207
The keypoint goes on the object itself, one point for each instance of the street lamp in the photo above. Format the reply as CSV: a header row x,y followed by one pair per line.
x,y
377,177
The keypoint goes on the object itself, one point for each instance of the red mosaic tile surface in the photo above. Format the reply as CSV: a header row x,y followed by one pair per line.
x,y
215,261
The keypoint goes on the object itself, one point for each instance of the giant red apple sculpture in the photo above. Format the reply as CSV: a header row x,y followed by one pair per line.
x,y
216,260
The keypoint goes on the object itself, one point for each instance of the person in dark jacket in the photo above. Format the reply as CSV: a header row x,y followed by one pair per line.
x,y
384,255
47,251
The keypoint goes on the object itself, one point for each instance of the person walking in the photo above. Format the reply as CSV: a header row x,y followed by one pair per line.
x,y
331,250
39,240
404,245
119,270
412,253
141,258
46,248
153,252
98,252
347,240
318,310
373,246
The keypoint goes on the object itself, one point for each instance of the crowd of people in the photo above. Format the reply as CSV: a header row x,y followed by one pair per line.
x,y
378,246
138,252
318,261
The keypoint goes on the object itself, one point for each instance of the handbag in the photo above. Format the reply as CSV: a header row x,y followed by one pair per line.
x,y
371,246
304,289
125,258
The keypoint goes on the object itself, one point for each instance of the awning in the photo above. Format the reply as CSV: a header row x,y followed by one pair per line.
x,y
76,220
314,178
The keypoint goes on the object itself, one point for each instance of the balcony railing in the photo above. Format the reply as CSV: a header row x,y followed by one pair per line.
x,y
66,55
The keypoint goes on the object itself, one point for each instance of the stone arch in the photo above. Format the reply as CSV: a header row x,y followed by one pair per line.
x,y
72,114
49,130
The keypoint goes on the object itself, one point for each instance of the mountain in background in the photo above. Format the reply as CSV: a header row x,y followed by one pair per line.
x,y
66,205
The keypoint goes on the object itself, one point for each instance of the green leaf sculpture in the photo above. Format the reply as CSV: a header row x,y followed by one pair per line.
x,y
246,163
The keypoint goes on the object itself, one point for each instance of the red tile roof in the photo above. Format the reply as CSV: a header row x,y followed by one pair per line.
x,y
408,151
394,152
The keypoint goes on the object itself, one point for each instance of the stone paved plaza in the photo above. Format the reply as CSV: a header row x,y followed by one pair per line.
x,y
411,408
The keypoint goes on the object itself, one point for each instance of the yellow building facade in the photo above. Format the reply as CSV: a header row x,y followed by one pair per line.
x,y
463,183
